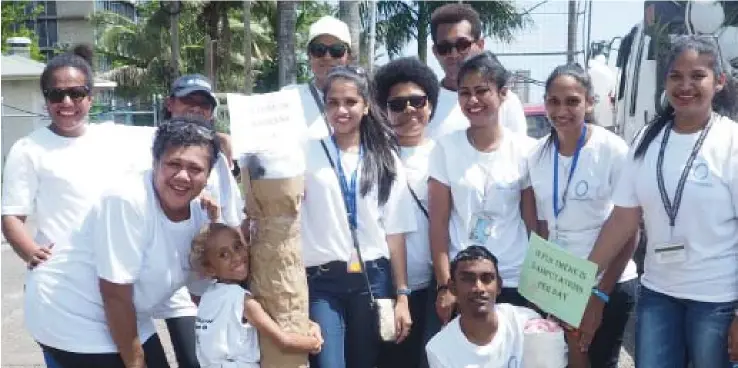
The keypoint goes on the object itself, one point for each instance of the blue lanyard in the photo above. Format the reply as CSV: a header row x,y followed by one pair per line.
x,y
575,159
348,190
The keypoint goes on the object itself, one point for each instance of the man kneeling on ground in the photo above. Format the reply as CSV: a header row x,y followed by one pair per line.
x,y
484,334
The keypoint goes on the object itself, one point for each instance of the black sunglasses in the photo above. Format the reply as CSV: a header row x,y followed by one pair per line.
x,y
57,95
461,45
318,50
398,104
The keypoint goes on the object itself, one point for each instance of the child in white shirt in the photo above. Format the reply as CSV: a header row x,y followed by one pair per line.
x,y
228,316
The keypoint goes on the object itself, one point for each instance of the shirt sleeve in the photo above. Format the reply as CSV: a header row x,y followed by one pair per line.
x,y
527,147
229,196
20,181
437,165
119,238
434,361
397,214
513,114
625,193
617,161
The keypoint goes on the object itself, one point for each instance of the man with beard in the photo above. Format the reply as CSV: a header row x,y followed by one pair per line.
x,y
484,334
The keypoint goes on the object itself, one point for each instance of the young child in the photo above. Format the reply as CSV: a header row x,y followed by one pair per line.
x,y
228,316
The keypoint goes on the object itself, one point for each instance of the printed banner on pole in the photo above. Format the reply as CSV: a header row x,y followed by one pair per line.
x,y
557,281
266,122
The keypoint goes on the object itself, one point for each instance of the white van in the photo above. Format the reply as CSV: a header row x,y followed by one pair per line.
x,y
639,93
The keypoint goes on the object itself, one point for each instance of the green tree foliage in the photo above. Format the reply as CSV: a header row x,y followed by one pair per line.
x,y
399,22
14,17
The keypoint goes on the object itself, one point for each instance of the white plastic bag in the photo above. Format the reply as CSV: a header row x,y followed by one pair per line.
x,y
544,345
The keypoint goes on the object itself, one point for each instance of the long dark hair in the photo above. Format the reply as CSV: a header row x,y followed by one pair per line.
x,y
723,103
376,137
582,77
487,64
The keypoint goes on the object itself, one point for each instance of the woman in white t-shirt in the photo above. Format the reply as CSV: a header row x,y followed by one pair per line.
x,y
354,183
479,188
407,90
130,254
573,172
47,174
682,176
228,316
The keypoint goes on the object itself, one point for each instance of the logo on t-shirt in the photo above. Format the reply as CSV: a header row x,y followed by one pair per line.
x,y
700,171
582,188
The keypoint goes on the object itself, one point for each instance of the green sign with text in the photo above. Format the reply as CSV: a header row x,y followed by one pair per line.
x,y
557,281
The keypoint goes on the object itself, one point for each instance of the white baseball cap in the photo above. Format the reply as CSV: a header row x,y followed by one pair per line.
x,y
329,25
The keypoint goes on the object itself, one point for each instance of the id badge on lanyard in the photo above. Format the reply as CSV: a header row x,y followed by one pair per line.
x,y
482,221
675,249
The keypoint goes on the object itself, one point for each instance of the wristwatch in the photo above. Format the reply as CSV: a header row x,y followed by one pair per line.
x,y
404,291
441,287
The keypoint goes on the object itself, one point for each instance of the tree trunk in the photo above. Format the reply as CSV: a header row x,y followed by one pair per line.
x,y
571,41
248,82
349,12
423,30
287,20
175,7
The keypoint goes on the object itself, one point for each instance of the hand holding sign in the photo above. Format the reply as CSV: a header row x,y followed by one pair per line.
x,y
557,281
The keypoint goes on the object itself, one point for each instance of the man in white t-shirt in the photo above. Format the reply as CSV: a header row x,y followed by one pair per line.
x,y
485,334
456,30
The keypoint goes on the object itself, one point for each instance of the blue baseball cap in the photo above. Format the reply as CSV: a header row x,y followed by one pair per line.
x,y
191,83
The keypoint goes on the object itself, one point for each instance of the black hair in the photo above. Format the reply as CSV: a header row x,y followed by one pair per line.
x,y
376,136
80,57
487,64
724,102
404,70
185,131
452,14
584,79
472,253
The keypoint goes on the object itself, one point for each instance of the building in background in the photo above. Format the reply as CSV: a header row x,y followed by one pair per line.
x,y
520,84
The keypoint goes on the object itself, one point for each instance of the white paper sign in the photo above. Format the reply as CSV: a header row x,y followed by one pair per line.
x,y
266,122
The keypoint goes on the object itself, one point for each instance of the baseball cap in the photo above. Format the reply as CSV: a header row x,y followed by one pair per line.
x,y
192,83
329,25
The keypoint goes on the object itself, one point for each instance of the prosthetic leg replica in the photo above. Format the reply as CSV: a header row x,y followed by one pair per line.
x,y
273,188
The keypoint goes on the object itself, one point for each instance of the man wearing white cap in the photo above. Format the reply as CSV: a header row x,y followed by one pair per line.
x,y
329,46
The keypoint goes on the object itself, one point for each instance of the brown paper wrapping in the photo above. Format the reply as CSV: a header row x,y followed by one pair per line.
x,y
278,278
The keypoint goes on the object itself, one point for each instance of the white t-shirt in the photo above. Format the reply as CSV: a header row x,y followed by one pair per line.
x,y
449,117
50,177
221,186
589,198
419,263
707,215
451,349
222,337
503,173
126,239
325,229
317,126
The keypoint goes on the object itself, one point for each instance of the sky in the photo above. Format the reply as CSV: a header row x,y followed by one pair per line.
x,y
548,33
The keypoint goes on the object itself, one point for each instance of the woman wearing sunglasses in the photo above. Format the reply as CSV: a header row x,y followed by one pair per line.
x,y
479,189
56,173
407,90
328,47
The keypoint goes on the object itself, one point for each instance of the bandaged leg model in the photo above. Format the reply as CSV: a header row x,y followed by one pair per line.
x,y
274,190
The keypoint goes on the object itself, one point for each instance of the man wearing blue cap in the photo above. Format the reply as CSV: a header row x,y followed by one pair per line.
x,y
190,95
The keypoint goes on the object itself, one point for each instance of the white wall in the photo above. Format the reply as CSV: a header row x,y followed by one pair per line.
x,y
25,95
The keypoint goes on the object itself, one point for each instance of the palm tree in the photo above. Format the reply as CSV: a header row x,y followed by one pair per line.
x,y
349,12
399,22
287,20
